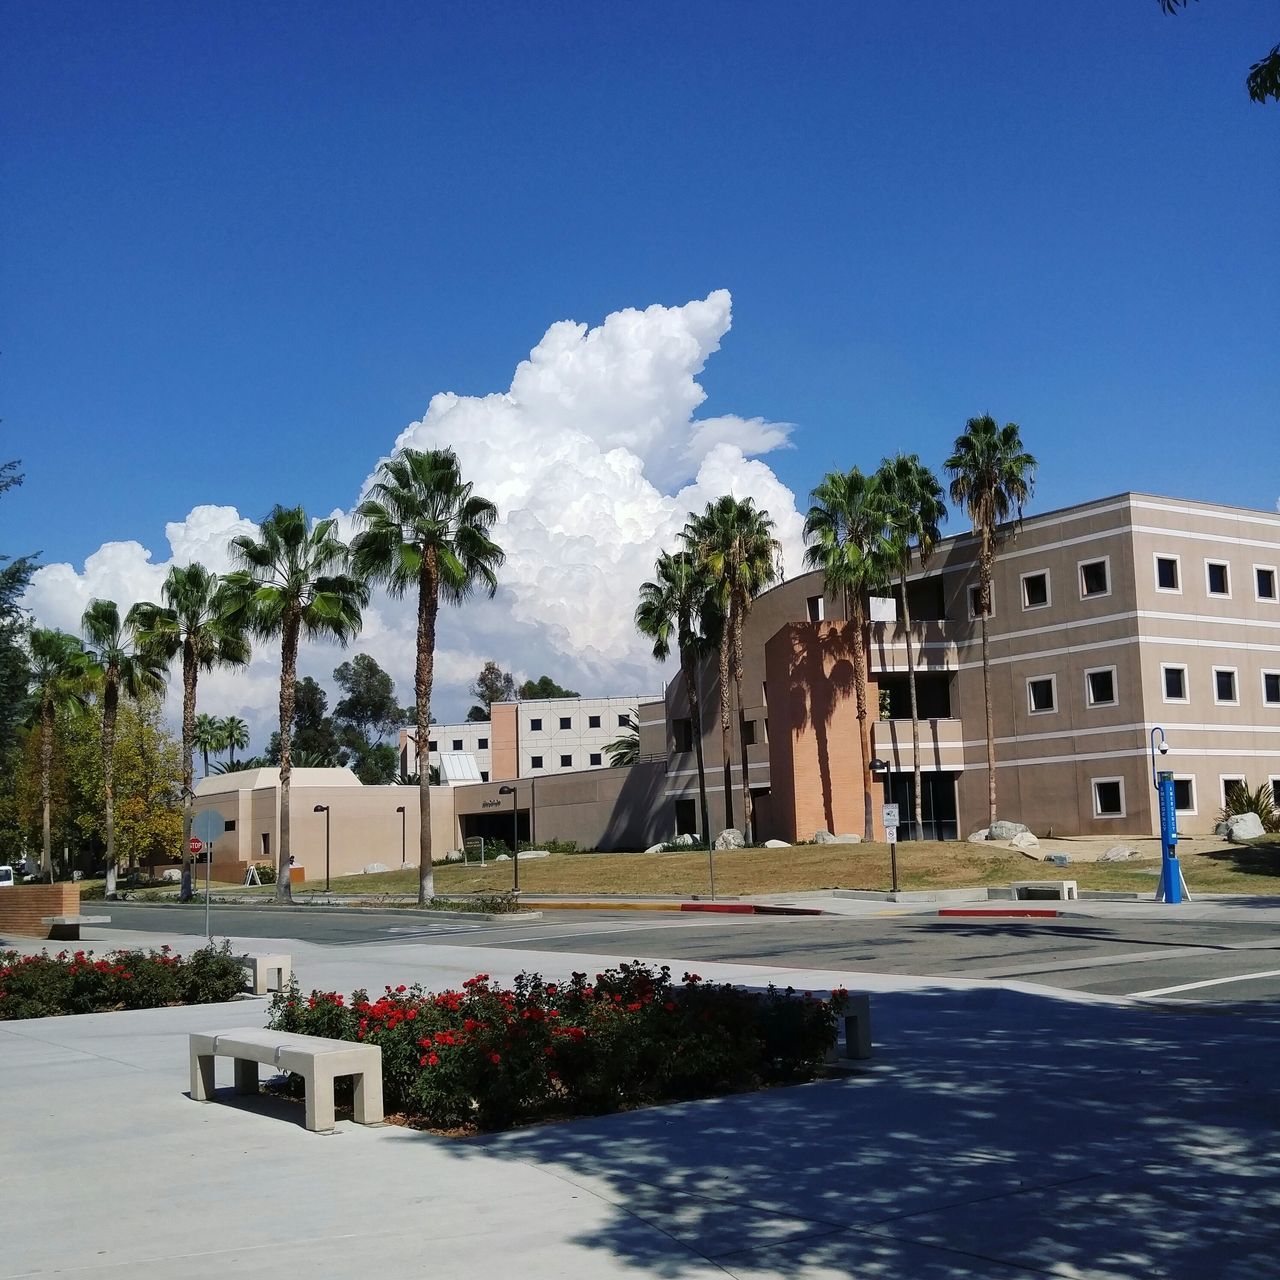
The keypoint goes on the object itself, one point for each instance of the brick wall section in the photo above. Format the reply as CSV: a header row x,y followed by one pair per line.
x,y
24,905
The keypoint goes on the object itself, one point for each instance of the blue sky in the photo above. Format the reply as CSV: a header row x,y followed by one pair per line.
x,y
244,245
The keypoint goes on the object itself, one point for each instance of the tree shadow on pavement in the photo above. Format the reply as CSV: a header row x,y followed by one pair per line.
x,y
995,1134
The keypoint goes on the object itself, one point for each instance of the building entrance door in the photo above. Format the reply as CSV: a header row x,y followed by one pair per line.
x,y
938,810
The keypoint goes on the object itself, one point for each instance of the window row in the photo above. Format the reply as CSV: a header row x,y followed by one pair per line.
x,y
1099,691
566,722
1226,685
1109,797
456,744
1095,582
566,761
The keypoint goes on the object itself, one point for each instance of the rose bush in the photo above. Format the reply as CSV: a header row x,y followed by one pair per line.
x,y
490,1056
45,986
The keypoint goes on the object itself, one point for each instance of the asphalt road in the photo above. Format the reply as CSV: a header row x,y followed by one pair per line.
x,y
1203,961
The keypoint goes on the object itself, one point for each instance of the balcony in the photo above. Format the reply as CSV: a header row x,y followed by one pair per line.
x,y
941,744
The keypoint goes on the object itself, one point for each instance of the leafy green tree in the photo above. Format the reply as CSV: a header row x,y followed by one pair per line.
x,y
426,531
235,737
914,510
1263,80
314,733
294,582
369,703
208,737
734,542
491,685
679,603
544,687
60,679
992,477
624,750
117,662
845,532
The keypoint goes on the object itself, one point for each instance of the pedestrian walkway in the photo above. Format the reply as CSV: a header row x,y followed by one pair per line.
x,y
1000,1131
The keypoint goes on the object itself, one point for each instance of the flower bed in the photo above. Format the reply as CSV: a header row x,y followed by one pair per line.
x,y
488,1057
45,986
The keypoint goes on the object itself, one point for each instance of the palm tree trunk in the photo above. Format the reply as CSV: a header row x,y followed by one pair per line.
x,y
984,607
695,721
726,712
423,679
288,694
189,674
46,772
856,621
110,702
742,727
916,799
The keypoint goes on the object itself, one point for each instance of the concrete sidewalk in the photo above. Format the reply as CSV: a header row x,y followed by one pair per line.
x,y
1000,1131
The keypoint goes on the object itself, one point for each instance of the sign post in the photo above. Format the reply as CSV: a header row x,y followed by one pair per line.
x,y
204,830
890,817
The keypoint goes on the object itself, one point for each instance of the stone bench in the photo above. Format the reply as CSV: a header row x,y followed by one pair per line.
x,y
261,967
67,928
1029,889
319,1061
853,1032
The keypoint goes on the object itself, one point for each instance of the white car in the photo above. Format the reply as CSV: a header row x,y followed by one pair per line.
x,y
6,877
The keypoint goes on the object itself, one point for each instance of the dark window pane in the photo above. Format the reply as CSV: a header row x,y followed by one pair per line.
x,y
535,725
1093,578
1218,580
1035,590
593,722
1107,796
595,758
1271,687
566,762
1266,584
1102,686
1183,795
1175,682
535,762
566,722
1225,684
1167,573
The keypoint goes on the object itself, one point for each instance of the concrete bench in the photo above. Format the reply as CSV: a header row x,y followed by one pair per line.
x,y
317,1060
67,928
1028,889
853,1032
262,967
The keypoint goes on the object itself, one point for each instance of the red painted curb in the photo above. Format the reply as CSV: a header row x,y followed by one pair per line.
x,y
1040,912
788,911
728,908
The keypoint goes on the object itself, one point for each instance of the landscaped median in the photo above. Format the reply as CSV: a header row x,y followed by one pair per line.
x,y
491,1056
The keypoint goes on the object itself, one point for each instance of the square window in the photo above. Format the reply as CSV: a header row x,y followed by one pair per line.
x,y
457,744
535,762
749,733
975,602
566,762
1264,581
682,733
1224,685
1229,784
1035,590
1041,694
1184,795
566,722
1168,577
1108,797
1095,578
231,825
1271,688
1175,684
815,604
431,745
593,722
482,744
1100,687
535,726
484,775
595,758
624,721
1216,578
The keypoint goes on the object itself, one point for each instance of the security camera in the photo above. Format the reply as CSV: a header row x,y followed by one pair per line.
x,y
1164,748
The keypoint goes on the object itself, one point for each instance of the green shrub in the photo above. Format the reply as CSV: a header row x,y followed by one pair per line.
x,y
489,903
266,872
1260,801
489,1056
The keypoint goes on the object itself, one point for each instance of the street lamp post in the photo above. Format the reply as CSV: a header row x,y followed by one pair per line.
x,y
400,811
1162,780
884,769
324,808
515,834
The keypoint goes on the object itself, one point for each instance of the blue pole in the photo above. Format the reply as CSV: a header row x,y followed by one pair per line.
x,y
1170,870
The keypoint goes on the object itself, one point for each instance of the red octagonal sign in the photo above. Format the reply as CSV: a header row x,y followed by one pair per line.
x,y
195,844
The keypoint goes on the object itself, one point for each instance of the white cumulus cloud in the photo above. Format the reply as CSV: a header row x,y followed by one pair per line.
x,y
594,457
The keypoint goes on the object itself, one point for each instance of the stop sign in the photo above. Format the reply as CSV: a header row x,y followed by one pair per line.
x,y
195,845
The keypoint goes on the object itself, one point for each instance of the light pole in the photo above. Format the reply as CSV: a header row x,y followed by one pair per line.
x,y
884,769
515,834
1162,780
324,808
400,811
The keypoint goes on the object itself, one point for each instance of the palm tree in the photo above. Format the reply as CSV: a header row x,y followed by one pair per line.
x,y
425,530
194,621
624,750
293,583
116,661
992,476
736,544
913,511
845,532
680,602
208,737
235,733
59,678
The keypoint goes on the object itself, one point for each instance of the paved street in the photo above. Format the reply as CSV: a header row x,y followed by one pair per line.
x,y
1231,959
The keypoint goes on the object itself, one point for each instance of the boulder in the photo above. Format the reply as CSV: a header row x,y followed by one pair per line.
x,y
1244,826
686,840
1024,840
655,848
978,837
823,836
373,869
1003,830
776,844
730,838
1220,829
503,857
1118,853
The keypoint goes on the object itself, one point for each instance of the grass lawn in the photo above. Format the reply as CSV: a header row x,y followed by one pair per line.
x,y
1209,868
